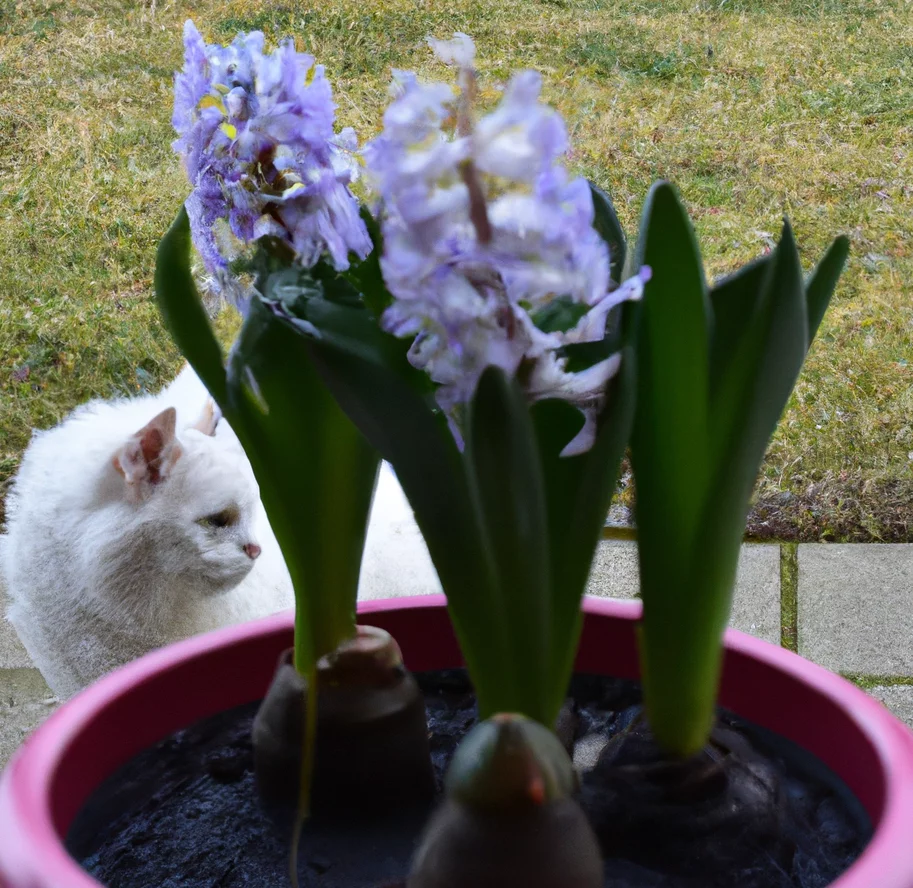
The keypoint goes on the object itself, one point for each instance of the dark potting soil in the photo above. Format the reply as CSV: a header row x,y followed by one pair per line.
x,y
184,813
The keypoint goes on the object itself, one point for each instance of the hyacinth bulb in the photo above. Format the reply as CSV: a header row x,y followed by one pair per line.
x,y
509,817
510,762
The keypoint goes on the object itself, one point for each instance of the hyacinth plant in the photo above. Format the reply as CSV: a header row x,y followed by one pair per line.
x,y
716,366
256,138
496,267
482,347
270,197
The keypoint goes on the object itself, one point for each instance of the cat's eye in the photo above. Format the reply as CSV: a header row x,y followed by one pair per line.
x,y
225,518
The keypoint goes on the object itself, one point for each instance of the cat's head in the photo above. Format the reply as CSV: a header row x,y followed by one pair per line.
x,y
194,501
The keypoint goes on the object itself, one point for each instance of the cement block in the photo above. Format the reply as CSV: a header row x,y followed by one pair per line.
x,y
898,698
855,605
756,603
25,702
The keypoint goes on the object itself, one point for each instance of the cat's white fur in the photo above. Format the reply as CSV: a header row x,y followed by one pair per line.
x,y
396,560
106,558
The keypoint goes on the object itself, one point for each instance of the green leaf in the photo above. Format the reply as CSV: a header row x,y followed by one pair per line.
x,y
315,470
369,374
606,223
291,288
581,355
744,412
759,337
502,454
670,457
821,283
762,374
579,492
670,433
734,301
560,315
757,385
270,255
182,309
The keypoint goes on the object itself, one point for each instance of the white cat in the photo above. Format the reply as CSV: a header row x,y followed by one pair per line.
x,y
138,522
130,525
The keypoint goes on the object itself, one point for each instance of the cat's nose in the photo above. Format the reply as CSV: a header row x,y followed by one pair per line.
x,y
252,550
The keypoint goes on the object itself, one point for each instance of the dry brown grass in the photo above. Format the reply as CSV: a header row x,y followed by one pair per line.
x,y
755,108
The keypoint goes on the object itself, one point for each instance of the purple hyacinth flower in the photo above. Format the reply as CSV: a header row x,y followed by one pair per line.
x,y
256,136
484,233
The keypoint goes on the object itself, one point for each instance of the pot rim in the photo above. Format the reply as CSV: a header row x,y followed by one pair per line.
x,y
32,853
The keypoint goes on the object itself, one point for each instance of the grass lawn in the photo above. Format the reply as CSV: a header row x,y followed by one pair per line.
x,y
755,108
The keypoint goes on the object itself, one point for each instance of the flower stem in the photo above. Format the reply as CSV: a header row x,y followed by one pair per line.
x,y
478,212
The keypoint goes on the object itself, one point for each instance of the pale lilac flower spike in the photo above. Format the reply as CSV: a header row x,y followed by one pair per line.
x,y
255,133
484,232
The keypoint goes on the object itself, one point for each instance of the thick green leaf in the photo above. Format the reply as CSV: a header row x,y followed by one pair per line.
x,y
292,289
315,470
821,283
606,223
182,308
684,655
762,374
355,332
560,315
670,434
760,333
502,455
760,381
366,275
579,491
757,386
582,355
734,301
669,453
557,423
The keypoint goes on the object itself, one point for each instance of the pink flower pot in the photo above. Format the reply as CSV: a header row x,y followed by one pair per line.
x,y
54,772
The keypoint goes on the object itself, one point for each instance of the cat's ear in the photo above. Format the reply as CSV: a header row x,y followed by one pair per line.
x,y
209,419
149,456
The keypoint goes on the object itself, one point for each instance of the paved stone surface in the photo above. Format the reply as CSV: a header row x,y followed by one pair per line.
x,y
25,702
898,698
756,604
25,699
855,604
12,653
